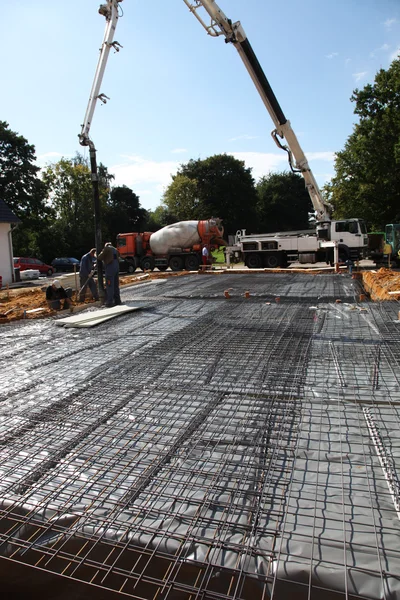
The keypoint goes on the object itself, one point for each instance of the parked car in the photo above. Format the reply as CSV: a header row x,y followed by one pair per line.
x,y
65,264
25,263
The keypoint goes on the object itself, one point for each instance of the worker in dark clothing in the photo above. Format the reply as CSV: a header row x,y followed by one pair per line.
x,y
86,272
109,256
55,293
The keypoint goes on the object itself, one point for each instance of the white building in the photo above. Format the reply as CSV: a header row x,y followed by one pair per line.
x,y
7,217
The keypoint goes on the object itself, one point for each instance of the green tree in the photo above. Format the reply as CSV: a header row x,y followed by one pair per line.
x,y
182,198
367,179
23,191
71,196
123,212
221,186
284,203
160,217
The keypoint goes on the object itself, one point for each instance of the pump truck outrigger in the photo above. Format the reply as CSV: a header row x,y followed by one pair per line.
x,y
346,239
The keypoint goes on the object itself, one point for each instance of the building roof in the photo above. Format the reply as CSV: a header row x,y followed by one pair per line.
x,y
6,214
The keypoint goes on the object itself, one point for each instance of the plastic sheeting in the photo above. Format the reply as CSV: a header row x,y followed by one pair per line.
x,y
227,448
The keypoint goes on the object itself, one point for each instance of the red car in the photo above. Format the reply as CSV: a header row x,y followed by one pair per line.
x,y
24,263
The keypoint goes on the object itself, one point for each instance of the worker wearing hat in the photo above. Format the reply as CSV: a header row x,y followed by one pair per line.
x,y
55,293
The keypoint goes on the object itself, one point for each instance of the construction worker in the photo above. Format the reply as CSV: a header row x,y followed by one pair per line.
x,y
204,254
55,293
109,257
86,272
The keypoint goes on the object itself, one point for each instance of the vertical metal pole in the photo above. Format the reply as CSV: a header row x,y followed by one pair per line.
x,y
97,219
336,257
76,284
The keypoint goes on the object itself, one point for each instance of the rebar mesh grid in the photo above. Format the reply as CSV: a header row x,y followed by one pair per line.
x,y
204,447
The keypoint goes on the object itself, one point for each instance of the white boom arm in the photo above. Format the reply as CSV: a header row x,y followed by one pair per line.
x,y
234,33
110,12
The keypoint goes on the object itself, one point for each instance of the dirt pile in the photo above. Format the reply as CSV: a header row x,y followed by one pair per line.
x,y
30,303
379,283
26,303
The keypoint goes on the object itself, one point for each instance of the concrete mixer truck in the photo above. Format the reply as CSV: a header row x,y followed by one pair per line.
x,y
178,246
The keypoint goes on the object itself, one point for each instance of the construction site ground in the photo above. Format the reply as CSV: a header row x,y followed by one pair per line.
x,y
29,302
237,437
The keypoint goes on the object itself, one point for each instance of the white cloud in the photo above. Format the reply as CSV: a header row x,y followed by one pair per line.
x,y
383,48
347,61
263,163
243,137
178,150
395,54
324,156
389,22
43,159
136,170
359,76
332,55
145,177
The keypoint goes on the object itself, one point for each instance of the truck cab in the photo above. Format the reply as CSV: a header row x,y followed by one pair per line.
x,y
352,237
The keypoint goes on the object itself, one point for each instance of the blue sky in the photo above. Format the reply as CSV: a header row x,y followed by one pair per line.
x,y
176,93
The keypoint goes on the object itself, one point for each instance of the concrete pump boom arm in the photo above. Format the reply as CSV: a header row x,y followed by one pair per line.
x,y
234,33
110,12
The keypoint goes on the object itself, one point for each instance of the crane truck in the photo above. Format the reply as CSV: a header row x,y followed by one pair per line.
x,y
346,238
177,246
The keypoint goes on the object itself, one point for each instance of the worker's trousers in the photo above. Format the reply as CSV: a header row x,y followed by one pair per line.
x,y
85,283
112,289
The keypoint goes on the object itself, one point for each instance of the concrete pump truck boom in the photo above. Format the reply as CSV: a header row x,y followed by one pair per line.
x,y
109,10
347,238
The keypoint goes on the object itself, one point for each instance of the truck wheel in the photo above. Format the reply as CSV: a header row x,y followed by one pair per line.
x,y
131,268
176,263
191,263
253,261
147,263
271,260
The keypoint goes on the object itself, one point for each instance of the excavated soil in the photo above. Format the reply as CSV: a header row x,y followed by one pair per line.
x,y
378,284
30,303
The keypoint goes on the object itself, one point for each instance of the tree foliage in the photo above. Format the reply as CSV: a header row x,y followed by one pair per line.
x,y
20,187
284,203
218,186
367,179
182,199
70,192
123,212
22,190
159,217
